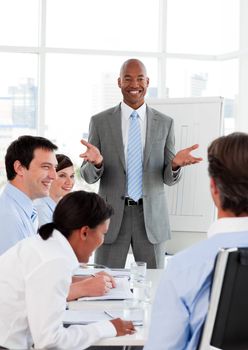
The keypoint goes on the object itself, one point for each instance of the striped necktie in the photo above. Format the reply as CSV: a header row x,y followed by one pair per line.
x,y
134,158
34,219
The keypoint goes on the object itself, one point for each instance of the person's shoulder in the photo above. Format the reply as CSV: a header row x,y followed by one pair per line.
x,y
159,114
108,111
202,252
7,204
41,202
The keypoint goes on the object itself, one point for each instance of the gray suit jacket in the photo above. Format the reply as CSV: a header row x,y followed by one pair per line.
x,y
106,134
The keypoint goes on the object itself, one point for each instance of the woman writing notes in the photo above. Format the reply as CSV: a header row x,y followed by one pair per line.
x,y
63,184
35,277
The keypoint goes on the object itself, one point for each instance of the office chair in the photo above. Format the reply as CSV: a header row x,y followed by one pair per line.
x,y
226,325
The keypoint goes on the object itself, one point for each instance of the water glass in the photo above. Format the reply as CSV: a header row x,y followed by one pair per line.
x,y
142,291
133,311
137,272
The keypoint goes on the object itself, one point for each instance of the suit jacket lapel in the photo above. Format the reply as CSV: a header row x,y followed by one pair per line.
x,y
151,128
114,121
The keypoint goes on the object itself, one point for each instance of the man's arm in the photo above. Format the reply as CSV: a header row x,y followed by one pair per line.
x,y
92,167
12,229
98,285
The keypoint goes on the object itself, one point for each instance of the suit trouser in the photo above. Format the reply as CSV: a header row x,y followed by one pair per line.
x,y
132,232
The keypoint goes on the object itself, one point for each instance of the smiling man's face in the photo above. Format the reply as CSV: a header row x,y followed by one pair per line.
x,y
37,179
133,83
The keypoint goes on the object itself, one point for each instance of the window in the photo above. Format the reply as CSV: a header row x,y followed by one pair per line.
x,y
203,27
103,24
18,100
186,78
19,22
60,59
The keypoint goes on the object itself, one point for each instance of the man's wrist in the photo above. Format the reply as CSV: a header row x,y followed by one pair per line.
x,y
174,166
98,163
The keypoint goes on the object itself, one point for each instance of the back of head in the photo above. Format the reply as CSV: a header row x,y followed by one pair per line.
x,y
23,149
75,210
63,162
228,166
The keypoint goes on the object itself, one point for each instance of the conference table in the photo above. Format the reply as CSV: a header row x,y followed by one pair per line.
x,y
140,336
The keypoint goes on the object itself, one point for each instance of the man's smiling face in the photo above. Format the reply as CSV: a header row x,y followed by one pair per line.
x,y
133,83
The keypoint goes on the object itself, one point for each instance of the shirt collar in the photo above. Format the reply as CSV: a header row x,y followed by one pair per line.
x,y
226,225
50,202
20,198
126,111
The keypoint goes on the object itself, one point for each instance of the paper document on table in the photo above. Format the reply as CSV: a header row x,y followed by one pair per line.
x,y
91,271
135,315
71,317
83,317
122,291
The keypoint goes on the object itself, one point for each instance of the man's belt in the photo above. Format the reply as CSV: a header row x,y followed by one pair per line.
x,y
130,202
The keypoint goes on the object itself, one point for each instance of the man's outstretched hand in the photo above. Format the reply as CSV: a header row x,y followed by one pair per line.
x,y
183,158
92,154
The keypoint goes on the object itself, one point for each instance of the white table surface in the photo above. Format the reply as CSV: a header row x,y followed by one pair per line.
x,y
136,339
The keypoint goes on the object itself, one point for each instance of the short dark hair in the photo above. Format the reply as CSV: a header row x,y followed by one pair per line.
x,y
228,166
63,162
23,149
75,210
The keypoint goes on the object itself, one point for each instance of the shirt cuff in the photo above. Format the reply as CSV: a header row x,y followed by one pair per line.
x,y
175,172
105,329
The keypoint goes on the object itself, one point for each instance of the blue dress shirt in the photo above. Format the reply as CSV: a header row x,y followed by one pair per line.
x,y
45,207
182,299
16,210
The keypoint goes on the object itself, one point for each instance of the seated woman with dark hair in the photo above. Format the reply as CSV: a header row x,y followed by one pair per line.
x,y
62,185
35,277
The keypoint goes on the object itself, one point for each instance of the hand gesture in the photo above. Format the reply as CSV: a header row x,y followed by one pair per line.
x,y
123,327
92,154
183,158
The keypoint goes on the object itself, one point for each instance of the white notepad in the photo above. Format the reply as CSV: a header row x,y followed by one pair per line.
x,y
90,271
72,317
83,317
122,291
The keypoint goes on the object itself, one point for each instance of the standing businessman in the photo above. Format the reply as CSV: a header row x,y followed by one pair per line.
x,y
131,149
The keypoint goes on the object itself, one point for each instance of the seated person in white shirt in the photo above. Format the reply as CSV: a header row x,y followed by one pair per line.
x,y
182,299
35,277
45,206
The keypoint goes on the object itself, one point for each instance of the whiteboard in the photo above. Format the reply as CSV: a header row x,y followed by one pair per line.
x,y
197,120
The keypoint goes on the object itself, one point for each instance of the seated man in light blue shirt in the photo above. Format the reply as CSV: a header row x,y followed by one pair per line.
x,y
182,299
31,167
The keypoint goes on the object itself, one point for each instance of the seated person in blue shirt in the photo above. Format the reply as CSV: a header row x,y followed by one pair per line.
x,y
30,166
35,277
182,299
62,185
